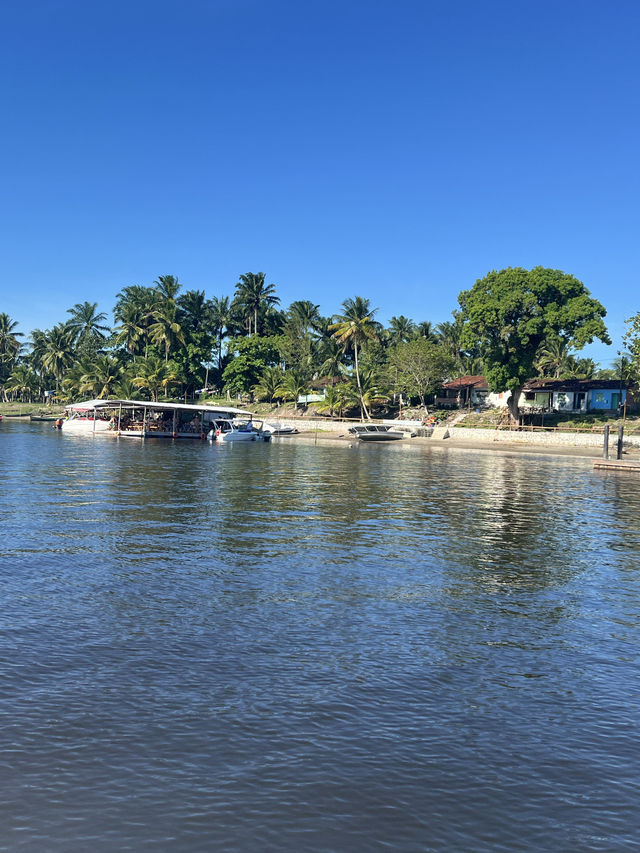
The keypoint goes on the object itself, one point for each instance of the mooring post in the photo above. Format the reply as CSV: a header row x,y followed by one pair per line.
x,y
620,437
605,447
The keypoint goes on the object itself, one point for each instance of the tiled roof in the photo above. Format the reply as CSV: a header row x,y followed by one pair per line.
x,y
467,382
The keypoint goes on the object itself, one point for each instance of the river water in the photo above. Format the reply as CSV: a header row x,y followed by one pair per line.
x,y
289,647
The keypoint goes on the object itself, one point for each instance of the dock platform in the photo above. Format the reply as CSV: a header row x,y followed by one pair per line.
x,y
617,464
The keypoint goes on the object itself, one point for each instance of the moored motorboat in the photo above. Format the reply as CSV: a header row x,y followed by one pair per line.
x,y
226,430
279,428
376,432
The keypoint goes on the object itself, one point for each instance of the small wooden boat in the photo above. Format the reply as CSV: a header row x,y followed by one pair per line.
x,y
44,417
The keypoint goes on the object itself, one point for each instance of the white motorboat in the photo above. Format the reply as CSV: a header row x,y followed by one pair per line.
x,y
376,432
279,428
226,430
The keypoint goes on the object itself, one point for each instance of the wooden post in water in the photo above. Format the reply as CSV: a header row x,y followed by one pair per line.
x,y
620,437
605,448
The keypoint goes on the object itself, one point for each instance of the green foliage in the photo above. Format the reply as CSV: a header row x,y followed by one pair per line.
x,y
250,358
632,343
509,315
419,367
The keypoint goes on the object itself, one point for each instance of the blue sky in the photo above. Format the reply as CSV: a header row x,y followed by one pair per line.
x,y
394,150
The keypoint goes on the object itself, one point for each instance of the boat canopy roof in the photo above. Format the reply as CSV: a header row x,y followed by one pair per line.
x,y
87,405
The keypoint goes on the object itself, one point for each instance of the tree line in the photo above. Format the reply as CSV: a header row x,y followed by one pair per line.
x,y
166,341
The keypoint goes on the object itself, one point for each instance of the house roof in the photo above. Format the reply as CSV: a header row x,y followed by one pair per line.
x,y
467,382
573,384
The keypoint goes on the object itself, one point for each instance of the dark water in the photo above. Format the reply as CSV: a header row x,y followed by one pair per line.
x,y
289,647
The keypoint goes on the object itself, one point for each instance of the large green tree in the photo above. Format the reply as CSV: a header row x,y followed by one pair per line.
x,y
508,315
250,358
419,367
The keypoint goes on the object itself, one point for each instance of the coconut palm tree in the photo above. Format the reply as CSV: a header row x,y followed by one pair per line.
x,y
293,385
305,315
401,329
553,358
9,347
23,381
167,287
220,320
354,327
102,376
269,385
254,296
86,323
134,311
333,401
154,375
58,353
9,343
166,329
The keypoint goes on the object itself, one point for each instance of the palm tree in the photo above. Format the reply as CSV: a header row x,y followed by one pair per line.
x,y
425,330
254,295
154,375
354,327
102,376
58,351
23,381
269,385
9,343
9,347
167,287
134,310
401,329
553,358
449,334
305,315
333,401
166,329
85,323
220,319
195,310
292,386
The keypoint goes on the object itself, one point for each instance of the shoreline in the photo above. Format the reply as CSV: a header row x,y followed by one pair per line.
x,y
511,448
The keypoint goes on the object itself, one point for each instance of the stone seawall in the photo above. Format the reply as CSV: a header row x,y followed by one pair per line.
x,y
540,437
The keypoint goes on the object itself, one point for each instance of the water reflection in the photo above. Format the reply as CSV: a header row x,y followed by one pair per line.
x,y
316,647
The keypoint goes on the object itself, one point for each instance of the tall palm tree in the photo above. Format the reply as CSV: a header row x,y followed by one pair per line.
x,y
58,351
194,309
449,335
167,287
305,315
154,375
401,329
9,347
86,323
553,358
23,381
102,376
134,310
220,319
166,328
254,295
269,385
293,384
354,327
425,329
9,343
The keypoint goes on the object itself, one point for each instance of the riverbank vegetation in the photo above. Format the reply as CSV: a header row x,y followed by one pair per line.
x,y
168,342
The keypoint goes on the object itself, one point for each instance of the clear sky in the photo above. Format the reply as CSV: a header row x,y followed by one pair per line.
x,y
394,149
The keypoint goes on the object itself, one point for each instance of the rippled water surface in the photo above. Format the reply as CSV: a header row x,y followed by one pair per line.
x,y
318,648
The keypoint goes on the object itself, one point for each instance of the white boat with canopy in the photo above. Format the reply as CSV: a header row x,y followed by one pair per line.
x,y
146,419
